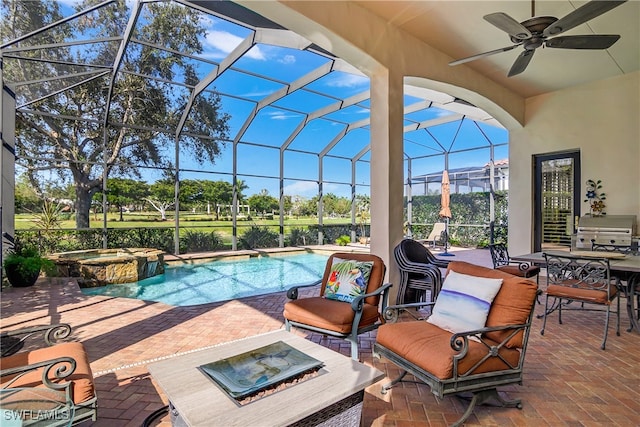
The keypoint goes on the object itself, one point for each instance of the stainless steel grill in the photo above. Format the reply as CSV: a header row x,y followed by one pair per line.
x,y
605,230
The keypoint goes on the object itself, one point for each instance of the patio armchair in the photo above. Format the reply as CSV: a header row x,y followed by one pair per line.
x,y
416,263
583,280
465,347
52,385
502,261
351,300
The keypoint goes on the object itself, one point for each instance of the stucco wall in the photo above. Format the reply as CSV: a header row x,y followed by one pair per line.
x,y
602,120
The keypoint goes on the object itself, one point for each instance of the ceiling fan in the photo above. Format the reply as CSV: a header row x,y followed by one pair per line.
x,y
540,31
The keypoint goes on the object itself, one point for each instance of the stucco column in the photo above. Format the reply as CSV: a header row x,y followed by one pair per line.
x,y
387,172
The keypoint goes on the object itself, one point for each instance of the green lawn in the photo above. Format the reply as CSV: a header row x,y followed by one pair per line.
x,y
188,221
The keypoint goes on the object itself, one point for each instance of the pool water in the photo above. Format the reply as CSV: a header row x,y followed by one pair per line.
x,y
221,280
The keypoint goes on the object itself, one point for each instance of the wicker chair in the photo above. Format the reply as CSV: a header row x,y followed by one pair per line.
x,y
341,317
52,385
417,276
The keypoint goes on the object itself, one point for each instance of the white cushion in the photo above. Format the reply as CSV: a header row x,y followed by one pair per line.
x,y
464,302
348,279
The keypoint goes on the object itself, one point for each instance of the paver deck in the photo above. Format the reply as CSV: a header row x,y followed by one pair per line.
x,y
568,380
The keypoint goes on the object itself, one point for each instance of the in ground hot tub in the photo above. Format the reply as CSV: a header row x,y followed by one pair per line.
x,y
99,267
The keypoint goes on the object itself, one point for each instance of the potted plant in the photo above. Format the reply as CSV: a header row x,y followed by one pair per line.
x,y
23,266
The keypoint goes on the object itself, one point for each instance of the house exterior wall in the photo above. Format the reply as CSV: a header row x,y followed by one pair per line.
x,y
602,120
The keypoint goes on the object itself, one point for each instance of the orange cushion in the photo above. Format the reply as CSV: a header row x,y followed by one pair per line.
x,y
83,386
587,295
427,346
515,270
511,306
328,314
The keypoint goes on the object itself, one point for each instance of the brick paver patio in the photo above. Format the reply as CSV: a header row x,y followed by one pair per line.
x,y
569,381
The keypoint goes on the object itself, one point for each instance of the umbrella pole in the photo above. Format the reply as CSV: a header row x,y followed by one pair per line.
x,y
446,242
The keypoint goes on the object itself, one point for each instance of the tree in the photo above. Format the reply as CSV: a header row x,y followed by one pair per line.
x,y
263,202
161,196
67,135
122,192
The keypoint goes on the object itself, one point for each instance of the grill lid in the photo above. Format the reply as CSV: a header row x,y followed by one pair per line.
x,y
605,222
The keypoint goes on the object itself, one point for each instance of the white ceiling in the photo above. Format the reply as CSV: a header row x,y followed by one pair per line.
x,y
458,29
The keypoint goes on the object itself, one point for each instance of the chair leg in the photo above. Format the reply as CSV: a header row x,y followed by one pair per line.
x,y
387,386
606,327
484,396
287,325
545,314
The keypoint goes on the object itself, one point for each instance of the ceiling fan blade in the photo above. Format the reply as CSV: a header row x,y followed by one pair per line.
x,y
521,62
581,15
482,55
508,25
591,41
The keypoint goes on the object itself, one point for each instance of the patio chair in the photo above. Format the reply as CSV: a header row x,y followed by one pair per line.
x,y
627,277
49,386
438,235
502,261
584,280
416,263
465,347
352,296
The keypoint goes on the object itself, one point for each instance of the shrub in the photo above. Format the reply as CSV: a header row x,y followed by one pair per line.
x,y
199,241
343,240
258,237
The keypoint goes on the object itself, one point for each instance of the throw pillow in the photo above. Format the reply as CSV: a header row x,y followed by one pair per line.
x,y
347,279
464,302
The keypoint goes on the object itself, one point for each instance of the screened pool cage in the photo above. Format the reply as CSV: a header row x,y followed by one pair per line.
x,y
207,104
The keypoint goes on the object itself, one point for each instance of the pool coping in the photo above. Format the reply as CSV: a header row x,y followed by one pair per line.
x,y
202,257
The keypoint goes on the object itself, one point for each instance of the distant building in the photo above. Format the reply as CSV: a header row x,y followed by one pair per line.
x,y
463,180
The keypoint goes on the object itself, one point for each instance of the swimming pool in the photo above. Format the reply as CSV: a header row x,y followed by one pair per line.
x,y
221,280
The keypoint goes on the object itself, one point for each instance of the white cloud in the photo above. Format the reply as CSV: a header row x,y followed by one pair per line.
x,y
302,188
225,42
287,59
281,115
348,80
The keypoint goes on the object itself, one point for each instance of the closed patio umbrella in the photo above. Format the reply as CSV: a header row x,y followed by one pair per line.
x,y
445,210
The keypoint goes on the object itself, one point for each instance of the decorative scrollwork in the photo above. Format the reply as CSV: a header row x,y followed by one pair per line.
x,y
57,333
58,370
391,315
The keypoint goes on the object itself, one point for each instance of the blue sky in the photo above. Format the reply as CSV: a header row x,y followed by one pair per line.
x,y
258,152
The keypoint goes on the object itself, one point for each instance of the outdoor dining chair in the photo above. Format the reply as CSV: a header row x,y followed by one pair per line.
x,y
502,261
583,280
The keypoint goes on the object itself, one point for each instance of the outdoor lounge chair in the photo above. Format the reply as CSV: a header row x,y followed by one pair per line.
x,y
49,386
583,280
475,360
438,235
349,302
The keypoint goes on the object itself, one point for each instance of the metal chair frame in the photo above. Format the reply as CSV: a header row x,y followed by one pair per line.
x,y
357,305
500,257
575,273
54,374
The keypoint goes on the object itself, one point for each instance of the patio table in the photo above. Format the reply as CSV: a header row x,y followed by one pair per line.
x,y
627,265
333,397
